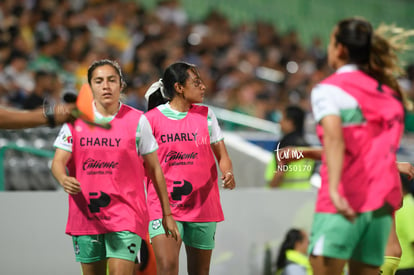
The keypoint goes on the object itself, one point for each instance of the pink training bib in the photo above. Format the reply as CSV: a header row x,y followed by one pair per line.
x,y
111,173
189,167
370,177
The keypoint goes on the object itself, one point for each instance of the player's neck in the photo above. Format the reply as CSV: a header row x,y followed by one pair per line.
x,y
107,110
180,105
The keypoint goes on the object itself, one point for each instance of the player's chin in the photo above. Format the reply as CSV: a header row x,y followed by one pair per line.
x,y
109,100
200,99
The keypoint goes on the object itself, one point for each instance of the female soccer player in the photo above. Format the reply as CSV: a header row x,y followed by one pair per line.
x,y
189,138
108,215
360,122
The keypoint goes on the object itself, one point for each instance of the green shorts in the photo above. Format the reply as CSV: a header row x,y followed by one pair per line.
x,y
363,240
195,234
92,248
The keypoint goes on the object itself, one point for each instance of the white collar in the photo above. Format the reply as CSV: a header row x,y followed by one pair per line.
x,y
168,105
347,68
100,116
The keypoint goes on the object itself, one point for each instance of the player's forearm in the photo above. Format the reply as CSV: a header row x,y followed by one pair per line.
x,y
58,171
225,165
334,152
314,153
223,158
277,179
17,119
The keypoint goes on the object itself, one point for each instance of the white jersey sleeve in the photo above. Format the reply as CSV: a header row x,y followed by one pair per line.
x,y
214,128
64,139
330,100
145,140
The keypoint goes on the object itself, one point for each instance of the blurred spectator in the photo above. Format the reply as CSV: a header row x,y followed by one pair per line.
x,y
171,12
16,80
242,99
238,63
83,65
117,34
26,31
297,173
46,88
292,258
46,57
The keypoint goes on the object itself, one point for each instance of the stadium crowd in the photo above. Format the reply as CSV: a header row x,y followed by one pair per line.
x,y
46,47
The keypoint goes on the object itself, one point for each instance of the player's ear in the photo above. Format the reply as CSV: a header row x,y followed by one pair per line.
x,y
178,88
342,51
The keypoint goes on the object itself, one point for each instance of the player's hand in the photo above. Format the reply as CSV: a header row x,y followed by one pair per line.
x,y
71,185
170,227
342,206
228,180
63,112
406,168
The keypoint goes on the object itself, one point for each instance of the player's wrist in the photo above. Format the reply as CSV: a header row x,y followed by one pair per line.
x,y
229,172
49,114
